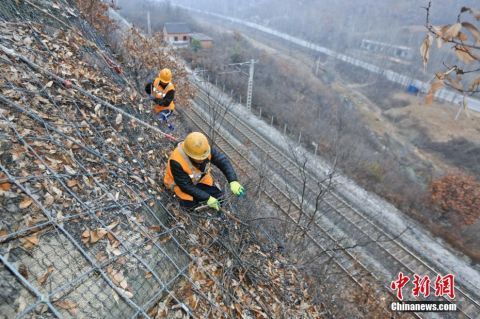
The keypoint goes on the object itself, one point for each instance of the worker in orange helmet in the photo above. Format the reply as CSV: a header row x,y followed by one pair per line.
x,y
188,172
162,91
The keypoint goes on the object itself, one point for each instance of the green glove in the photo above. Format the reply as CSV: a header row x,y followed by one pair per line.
x,y
213,203
237,188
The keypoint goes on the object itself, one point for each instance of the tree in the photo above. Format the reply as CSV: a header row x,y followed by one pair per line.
x,y
96,13
457,194
464,36
196,45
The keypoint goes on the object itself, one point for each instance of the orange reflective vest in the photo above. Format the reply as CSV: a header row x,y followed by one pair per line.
x,y
195,174
159,92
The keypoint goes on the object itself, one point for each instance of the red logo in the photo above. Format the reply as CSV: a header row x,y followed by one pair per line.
x,y
399,284
421,285
444,286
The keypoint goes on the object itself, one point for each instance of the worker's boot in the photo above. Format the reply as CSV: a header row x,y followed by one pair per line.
x,y
164,119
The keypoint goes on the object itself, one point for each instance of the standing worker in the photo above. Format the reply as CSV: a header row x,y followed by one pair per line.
x,y
188,172
162,91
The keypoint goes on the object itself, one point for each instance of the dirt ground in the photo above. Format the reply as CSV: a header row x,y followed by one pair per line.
x,y
413,124
438,120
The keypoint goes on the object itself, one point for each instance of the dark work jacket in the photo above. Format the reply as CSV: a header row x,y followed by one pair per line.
x,y
184,181
168,97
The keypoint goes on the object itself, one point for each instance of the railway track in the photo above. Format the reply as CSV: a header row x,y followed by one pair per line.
x,y
392,253
342,259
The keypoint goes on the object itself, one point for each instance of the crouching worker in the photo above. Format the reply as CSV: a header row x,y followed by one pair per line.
x,y
162,91
188,172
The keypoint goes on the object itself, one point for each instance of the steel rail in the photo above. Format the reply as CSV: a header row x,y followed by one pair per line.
x,y
391,247
342,257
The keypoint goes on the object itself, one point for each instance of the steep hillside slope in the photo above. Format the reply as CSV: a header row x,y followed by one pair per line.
x,y
84,231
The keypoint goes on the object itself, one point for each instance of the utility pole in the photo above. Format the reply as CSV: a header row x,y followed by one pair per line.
x,y
149,28
316,147
317,66
237,67
250,85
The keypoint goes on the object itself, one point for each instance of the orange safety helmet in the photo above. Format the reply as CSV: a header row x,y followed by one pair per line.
x,y
165,75
196,146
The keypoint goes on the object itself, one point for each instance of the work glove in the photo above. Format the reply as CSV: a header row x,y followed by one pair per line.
x,y
237,188
212,202
159,95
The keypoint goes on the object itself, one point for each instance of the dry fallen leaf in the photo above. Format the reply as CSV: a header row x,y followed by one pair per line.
x,y
113,225
123,284
193,301
425,49
72,182
431,93
48,200
43,279
452,31
34,220
128,294
475,84
238,309
155,228
118,120
118,277
111,238
25,203
57,191
138,179
30,241
115,297
462,36
68,305
473,30
464,54
97,234
86,236
67,84
22,269
165,239
4,186
69,170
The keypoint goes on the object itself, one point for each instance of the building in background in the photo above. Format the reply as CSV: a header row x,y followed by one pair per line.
x,y
392,50
177,34
205,41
